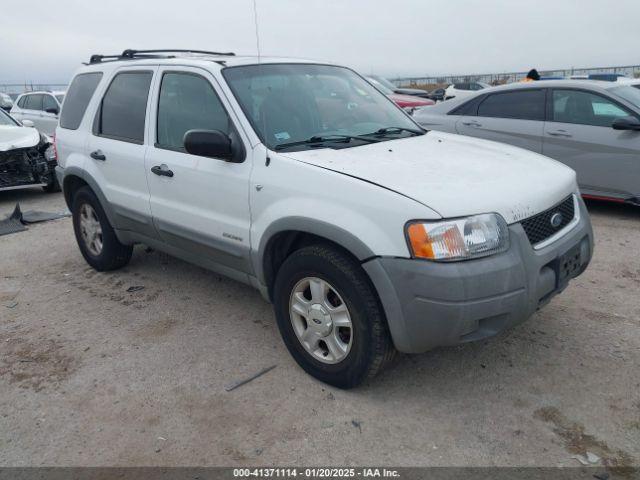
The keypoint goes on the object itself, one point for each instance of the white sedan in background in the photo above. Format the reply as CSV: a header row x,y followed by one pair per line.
x,y
464,89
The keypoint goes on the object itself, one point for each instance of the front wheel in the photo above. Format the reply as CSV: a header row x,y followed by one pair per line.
x,y
330,317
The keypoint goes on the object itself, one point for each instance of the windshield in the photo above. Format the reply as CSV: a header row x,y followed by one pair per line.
x,y
289,103
630,94
5,119
60,97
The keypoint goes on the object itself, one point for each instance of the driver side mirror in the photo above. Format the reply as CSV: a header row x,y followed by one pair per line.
x,y
626,123
27,123
213,144
52,110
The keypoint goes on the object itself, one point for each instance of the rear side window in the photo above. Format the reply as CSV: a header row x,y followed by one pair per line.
x,y
22,102
33,102
78,98
124,106
522,105
187,102
469,108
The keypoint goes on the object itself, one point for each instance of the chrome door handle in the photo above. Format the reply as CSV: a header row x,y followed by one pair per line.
x,y
472,124
98,155
559,133
162,170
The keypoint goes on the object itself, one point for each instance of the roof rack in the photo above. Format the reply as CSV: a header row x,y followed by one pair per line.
x,y
131,54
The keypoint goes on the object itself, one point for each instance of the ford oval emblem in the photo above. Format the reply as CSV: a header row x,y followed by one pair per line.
x,y
556,220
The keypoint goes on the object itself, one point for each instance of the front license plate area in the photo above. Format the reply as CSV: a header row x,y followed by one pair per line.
x,y
568,266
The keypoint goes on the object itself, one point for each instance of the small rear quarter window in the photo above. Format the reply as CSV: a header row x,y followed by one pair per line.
x,y
78,97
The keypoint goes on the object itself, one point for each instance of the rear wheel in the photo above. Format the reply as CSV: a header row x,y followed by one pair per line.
x,y
330,318
95,236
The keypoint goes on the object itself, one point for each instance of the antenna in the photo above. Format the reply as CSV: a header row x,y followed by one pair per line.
x,y
264,120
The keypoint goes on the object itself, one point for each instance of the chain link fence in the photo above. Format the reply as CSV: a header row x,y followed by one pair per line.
x,y
632,71
18,88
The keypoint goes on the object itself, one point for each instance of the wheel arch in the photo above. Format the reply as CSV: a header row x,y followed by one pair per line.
x,y
286,235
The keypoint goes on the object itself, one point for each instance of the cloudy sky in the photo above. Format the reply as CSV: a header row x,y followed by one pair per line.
x,y
391,37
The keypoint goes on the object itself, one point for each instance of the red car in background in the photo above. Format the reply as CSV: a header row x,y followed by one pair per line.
x,y
408,103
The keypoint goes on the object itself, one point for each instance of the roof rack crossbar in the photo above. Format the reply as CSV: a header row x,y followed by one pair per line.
x,y
130,54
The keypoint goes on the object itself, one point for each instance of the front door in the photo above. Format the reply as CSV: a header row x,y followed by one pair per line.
x,y
49,114
202,207
579,133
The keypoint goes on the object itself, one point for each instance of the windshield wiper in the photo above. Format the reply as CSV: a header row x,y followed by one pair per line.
x,y
392,130
326,138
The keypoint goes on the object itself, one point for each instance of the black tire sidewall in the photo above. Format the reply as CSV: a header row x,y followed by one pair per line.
x,y
349,284
110,242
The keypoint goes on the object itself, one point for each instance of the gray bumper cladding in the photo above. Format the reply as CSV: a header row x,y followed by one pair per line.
x,y
431,304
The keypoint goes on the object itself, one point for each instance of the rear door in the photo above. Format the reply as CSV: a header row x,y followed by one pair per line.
x,y
117,148
202,208
579,133
515,117
32,109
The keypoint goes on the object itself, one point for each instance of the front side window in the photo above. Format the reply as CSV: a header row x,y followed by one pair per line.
x,y
585,108
124,106
49,102
80,92
33,102
288,103
187,102
522,105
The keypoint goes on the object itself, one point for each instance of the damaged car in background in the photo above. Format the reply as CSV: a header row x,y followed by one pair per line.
x,y
27,157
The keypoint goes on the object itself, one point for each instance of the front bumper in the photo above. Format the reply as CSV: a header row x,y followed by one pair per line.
x,y
431,304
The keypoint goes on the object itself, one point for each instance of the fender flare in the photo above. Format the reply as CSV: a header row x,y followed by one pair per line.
x,y
331,232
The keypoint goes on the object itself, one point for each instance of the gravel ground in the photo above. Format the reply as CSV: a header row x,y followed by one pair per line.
x,y
91,374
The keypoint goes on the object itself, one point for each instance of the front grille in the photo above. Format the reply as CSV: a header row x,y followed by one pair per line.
x,y
539,227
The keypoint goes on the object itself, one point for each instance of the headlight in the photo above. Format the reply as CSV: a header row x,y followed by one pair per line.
x,y
459,239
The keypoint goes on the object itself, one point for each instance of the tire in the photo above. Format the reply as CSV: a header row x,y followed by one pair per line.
x,y
112,254
369,346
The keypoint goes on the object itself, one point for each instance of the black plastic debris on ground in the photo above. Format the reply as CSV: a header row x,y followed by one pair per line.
x,y
13,223
17,220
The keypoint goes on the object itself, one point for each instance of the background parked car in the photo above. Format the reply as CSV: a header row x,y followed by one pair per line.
x,y
5,102
606,77
464,89
42,108
407,102
438,94
416,92
594,127
27,157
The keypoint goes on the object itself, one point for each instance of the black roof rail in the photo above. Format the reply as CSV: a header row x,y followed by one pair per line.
x,y
130,54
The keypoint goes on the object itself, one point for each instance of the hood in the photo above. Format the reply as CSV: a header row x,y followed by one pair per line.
x,y
455,175
12,137
410,101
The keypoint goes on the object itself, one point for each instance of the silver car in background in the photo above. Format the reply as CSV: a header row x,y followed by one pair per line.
x,y
591,126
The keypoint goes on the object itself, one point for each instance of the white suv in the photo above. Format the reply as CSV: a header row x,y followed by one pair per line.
x,y
368,233
40,108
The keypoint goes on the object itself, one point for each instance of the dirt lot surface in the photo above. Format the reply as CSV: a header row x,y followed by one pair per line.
x,y
91,374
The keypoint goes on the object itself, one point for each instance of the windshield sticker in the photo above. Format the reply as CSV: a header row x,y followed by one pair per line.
x,y
280,136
